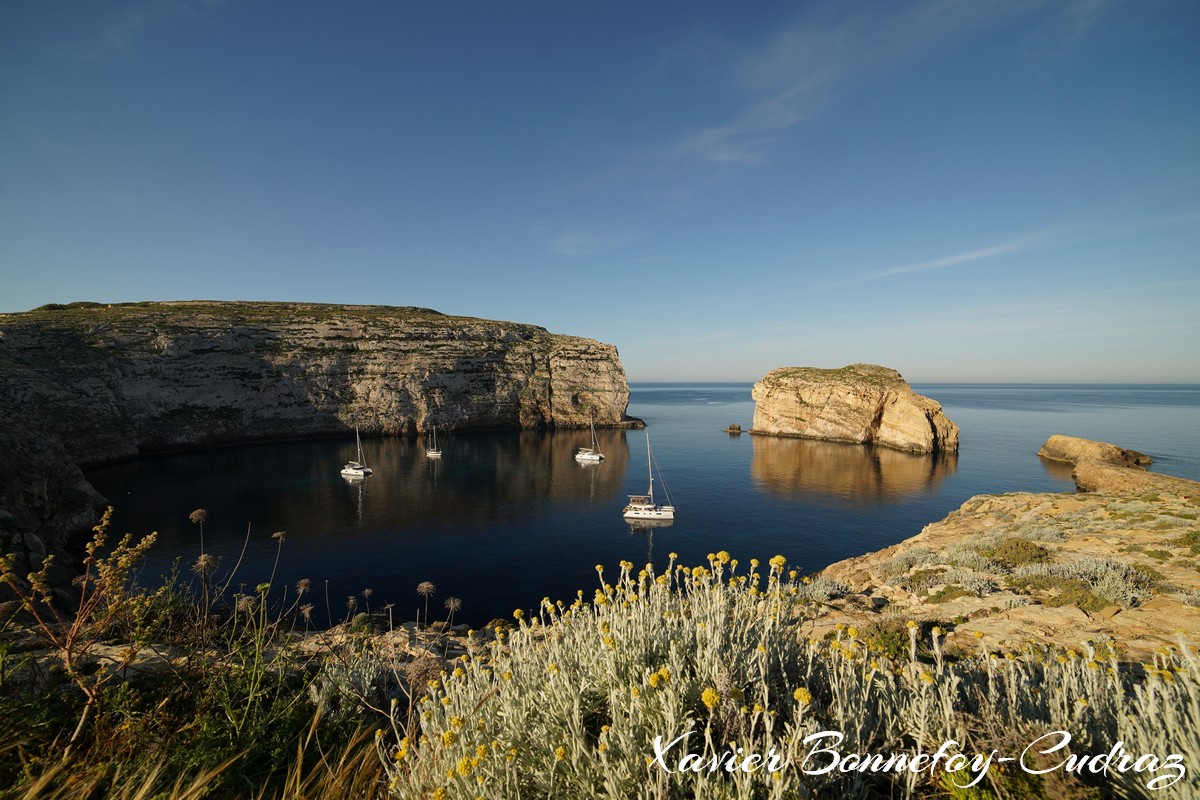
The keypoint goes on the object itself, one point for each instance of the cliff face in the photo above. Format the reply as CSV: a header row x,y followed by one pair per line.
x,y
860,403
84,384
119,380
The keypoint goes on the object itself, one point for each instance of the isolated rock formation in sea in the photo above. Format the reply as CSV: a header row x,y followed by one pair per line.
x,y
85,383
861,403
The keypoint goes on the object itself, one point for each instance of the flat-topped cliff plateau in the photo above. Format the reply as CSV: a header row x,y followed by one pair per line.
x,y
122,379
85,383
859,403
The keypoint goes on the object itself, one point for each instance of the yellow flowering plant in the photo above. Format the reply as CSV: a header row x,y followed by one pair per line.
x,y
572,709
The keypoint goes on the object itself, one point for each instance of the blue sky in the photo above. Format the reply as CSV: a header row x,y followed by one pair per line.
x,y
958,190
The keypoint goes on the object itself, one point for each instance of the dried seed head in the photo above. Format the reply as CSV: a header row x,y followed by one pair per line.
x,y
205,564
198,516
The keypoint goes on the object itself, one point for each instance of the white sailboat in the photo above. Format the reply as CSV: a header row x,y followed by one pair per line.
x,y
356,469
433,451
590,455
642,506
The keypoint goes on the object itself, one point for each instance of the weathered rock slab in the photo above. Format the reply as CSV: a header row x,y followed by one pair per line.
x,y
1072,450
1104,467
969,571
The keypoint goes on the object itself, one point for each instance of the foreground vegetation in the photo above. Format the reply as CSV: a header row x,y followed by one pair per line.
x,y
695,682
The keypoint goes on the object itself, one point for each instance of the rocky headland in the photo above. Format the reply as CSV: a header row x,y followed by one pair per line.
x,y
1117,564
85,383
860,403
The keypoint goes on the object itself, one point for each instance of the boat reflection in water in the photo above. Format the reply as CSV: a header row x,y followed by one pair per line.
x,y
646,527
795,468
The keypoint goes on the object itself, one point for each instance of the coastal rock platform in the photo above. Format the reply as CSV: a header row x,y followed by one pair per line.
x,y
1103,467
1118,567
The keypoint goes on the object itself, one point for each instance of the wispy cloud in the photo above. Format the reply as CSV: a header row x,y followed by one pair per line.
x,y
806,69
1058,236
579,242
1019,244
779,84
744,141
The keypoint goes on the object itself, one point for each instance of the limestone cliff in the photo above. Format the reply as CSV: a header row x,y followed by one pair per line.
x,y
860,403
84,384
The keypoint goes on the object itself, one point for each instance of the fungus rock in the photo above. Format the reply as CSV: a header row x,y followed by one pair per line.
x,y
860,403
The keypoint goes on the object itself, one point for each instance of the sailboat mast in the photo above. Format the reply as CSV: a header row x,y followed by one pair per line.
x,y
650,467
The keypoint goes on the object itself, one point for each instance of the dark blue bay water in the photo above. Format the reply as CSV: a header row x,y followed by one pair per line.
x,y
505,519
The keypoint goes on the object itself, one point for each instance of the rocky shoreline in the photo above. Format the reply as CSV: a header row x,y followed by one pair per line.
x,y
1116,564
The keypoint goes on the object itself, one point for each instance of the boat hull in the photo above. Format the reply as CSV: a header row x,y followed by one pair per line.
x,y
651,513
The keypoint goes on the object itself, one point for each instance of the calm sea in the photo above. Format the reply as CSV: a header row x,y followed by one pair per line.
x,y
505,519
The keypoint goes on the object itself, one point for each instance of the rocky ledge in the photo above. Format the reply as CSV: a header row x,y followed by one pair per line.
x,y
1118,567
86,383
1103,467
861,403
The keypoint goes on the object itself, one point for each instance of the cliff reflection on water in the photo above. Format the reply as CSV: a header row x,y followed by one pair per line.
x,y
792,469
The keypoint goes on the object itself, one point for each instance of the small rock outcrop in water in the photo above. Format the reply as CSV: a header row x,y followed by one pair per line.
x,y
1103,467
85,383
860,403
1072,450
